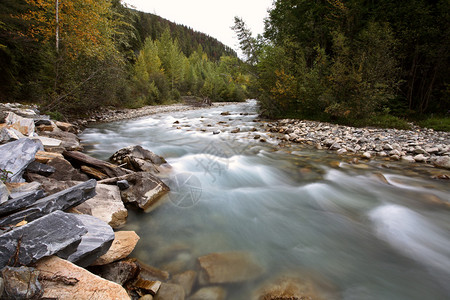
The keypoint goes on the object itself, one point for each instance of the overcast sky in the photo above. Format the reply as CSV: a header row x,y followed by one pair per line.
x,y
209,16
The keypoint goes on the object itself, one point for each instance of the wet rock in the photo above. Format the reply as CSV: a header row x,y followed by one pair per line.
x,y
228,267
41,169
186,280
64,280
60,201
225,113
43,237
210,293
16,156
237,130
64,171
169,291
94,243
146,297
119,272
123,244
366,155
20,201
216,132
23,125
106,205
21,283
151,273
138,159
145,191
148,286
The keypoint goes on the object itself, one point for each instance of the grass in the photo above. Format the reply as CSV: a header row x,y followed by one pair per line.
x,y
436,123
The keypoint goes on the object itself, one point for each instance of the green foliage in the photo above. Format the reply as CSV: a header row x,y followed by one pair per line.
x,y
4,174
436,123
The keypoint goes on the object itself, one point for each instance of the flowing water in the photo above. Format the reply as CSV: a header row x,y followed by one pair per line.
x,y
377,230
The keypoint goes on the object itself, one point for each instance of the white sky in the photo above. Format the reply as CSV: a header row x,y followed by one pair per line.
x,y
210,16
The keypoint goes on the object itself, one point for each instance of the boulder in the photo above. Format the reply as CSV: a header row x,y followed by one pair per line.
x,y
228,267
64,171
21,283
442,162
64,280
123,244
23,125
119,272
4,194
20,201
186,280
16,156
145,191
104,167
69,141
138,159
60,201
94,243
210,293
107,205
43,237
169,291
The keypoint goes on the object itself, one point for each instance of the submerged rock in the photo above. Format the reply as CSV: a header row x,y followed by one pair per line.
x,y
75,282
119,272
43,237
210,293
170,291
186,280
228,267
16,156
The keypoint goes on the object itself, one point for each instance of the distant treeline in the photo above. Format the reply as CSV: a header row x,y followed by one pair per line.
x,y
92,53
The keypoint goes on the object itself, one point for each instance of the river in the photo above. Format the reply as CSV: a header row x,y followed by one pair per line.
x,y
365,231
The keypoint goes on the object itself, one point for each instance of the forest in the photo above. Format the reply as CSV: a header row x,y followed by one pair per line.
x,y
74,56
350,61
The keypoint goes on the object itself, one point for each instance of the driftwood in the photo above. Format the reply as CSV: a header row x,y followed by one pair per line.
x,y
106,168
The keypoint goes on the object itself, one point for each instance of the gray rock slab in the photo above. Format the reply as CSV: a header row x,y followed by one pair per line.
x,y
94,243
20,201
16,156
41,169
4,193
63,200
43,237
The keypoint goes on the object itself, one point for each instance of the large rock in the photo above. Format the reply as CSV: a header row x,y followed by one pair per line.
x,y
16,156
21,283
23,125
69,141
107,205
442,162
9,134
94,243
123,244
138,159
75,282
60,201
41,169
169,291
64,171
43,237
228,267
49,185
145,191
20,201
210,293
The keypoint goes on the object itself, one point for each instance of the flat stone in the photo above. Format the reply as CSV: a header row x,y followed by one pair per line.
x,y
76,282
44,157
119,272
48,142
60,201
186,280
20,201
21,283
107,205
16,156
69,141
169,291
145,191
23,125
228,267
123,244
210,293
43,237
94,243
41,169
